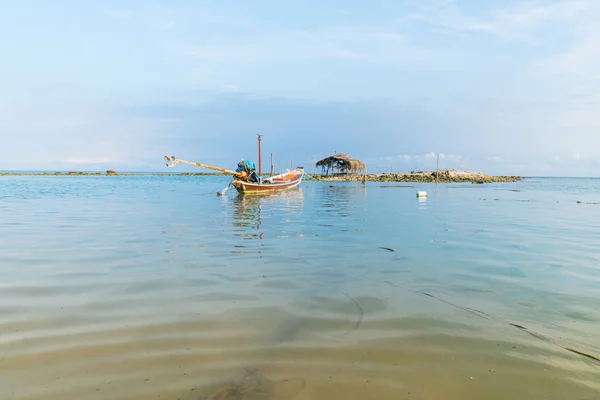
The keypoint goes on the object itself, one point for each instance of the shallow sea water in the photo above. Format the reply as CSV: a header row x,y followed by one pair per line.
x,y
154,287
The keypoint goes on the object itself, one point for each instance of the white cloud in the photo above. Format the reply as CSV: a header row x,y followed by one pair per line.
x,y
118,13
568,29
355,43
584,166
411,162
166,24
275,49
454,158
208,39
92,160
581,59
530,15
230,89
515,23
427,158
73,136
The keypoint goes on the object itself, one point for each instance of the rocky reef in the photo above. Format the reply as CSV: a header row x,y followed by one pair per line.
x,y
447,176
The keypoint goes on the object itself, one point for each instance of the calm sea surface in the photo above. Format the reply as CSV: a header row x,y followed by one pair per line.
x,y
154,287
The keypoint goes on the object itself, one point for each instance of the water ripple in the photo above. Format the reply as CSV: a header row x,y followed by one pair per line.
x,y
136,288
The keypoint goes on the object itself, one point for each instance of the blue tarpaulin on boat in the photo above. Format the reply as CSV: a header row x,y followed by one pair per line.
x,y
246,165
249,166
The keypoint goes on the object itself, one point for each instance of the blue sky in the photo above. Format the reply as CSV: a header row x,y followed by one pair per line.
x,y
502,87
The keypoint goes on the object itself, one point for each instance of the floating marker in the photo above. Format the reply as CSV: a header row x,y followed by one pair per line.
x,y
421,194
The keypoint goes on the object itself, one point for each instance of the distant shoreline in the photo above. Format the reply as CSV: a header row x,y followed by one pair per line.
x,y
448,176
108,173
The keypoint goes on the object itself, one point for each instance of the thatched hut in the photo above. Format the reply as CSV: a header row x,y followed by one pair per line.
x,y
342,163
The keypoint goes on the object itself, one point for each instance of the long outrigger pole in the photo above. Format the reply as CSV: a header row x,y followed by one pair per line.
x,y
174,161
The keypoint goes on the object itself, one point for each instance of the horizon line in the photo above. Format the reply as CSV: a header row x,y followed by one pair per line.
x,y
217,173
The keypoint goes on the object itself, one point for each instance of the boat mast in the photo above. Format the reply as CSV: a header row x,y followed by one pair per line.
x,y
259,160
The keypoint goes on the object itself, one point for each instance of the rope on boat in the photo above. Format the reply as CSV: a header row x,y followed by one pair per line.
x,y
222,192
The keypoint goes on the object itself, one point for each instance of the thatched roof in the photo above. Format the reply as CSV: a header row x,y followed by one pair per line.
x,y
343,163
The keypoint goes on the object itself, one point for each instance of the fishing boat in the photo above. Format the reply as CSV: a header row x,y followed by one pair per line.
x,y
247,180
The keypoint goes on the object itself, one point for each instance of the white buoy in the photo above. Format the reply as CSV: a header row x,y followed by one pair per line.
x,y
421,194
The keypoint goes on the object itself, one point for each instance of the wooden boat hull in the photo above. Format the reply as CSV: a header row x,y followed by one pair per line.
x,y
286,181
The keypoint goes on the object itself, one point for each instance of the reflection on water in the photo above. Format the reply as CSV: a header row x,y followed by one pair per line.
x,y
343,200
247,209
246,216
143,290
250,211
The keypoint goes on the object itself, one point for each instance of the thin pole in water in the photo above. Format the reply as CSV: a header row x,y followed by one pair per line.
x,y
259,160
437,173
271,164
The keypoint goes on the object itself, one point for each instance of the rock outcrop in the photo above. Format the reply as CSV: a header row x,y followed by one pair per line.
x,y
448,176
